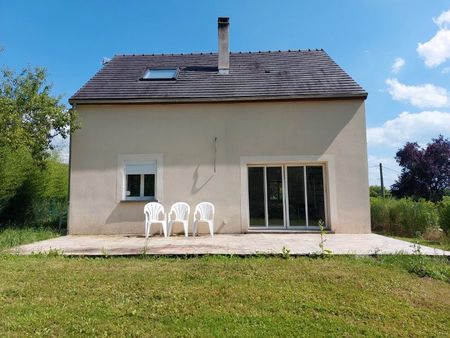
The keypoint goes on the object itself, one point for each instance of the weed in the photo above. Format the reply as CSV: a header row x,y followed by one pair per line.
x,y
50,253
55,252
11,237
144,250
105,253
323,250
285,253
376,252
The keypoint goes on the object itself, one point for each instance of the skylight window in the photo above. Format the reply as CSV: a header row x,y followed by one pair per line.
x,y
160,74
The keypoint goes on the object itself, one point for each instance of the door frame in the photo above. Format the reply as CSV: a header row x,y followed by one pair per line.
x,y
326,161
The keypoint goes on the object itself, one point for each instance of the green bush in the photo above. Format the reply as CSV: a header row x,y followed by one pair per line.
x,y
375,191
41,198
15,165
444,214
403,217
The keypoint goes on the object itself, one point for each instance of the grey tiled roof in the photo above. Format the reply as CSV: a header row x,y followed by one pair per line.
x,y
253,76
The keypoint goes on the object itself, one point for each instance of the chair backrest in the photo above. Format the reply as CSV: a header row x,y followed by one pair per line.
x,y
181,211
152,210
205,210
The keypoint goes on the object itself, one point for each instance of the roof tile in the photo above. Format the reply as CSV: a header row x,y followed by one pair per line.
x,y
253,76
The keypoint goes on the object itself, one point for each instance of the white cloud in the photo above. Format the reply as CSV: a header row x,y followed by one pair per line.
x,y
422,96
437,50
445,70
397,65
410,127
384,141
443,20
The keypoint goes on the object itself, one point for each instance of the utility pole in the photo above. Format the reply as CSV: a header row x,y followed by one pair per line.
x,y
381,179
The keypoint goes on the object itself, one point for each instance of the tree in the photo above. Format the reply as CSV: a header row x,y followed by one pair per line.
x,y
375,191
30,118
425,171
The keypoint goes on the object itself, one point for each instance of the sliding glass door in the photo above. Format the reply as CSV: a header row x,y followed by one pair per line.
x,y
286,196
275,196
296,196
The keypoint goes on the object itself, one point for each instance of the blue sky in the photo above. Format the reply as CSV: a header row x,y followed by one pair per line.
x,y
365,37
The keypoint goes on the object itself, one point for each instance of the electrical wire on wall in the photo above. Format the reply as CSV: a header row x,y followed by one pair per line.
x,y
215,152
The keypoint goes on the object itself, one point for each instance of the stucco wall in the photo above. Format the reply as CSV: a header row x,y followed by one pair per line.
x,y
184,134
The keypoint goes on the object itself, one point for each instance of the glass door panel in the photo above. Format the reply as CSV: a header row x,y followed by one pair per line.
x,y
275,200
256,196
286,196
296,196
315,196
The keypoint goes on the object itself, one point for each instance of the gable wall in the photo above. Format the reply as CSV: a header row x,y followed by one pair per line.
x,y
184,134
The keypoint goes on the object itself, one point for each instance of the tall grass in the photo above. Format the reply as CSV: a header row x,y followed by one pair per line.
x,y
405,217
12,236
444,214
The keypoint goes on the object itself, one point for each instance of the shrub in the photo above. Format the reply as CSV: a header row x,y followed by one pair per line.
x,y
41,198
444,214
15,166
375,191
403,217
379,214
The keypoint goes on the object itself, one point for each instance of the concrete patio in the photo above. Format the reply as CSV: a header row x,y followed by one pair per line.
x,y
242,244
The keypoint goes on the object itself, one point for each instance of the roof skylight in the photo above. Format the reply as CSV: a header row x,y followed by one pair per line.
x,y
160,74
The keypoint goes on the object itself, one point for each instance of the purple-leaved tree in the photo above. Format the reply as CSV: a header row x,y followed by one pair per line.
x,y
425,171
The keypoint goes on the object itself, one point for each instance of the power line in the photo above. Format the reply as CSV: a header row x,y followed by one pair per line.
x,y
397,171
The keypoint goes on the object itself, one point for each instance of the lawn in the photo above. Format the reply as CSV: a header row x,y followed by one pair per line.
x,y
218,296
443,243
223,296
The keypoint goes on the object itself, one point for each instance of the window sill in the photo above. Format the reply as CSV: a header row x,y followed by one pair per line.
x,y
139,201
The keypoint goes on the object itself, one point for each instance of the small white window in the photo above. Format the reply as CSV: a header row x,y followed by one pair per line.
x,y
160,74
140,180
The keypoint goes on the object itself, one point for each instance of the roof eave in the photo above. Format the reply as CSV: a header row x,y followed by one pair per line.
x,y
73,100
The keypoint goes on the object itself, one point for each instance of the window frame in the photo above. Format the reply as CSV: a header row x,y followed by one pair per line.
x,y
330,198
139,159
141,196
173,78
285,196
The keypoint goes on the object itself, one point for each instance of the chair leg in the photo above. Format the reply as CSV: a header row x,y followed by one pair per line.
x,y
185,225
164,226
149,230
211,228
194,229
169,228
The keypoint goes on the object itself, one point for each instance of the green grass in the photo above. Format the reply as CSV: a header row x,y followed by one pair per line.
x,y
48,295
219,296
443,243
10,237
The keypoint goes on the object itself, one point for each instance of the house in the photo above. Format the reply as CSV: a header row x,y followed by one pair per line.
x,y
276,140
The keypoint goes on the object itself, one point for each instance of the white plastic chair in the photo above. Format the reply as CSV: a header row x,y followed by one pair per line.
x,y
153,211
180,211
204,213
